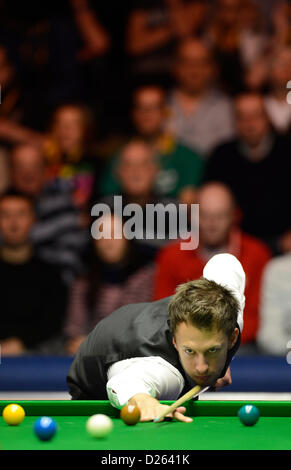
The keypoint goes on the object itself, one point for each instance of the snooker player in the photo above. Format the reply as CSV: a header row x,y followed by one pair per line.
x,y
146,352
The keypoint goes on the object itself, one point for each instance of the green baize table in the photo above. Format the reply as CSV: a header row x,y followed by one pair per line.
x,y
215,426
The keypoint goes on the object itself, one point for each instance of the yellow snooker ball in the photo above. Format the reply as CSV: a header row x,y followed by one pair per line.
x,y
13,414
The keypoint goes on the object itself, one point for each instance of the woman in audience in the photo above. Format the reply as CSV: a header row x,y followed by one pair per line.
x,y
70,152
118,274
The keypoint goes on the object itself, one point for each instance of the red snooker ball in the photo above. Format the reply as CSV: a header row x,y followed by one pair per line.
x,y
130,414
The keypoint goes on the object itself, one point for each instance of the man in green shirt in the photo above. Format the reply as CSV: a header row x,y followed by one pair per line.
x,y
180,168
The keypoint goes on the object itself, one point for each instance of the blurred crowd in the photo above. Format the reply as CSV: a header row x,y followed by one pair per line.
x,y
161,102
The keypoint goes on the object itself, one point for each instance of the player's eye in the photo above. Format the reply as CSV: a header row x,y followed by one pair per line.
x,y
213,350
188,351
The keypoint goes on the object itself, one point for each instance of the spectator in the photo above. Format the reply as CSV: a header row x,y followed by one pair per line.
x,y
253,37
100,28
14,110
118,274
93,57
180,168
154,28
256,165
270,67
282,24
72,163
223,35
57,233
270,74
95,39
278,75
219,233
137,171
45,42
275,315
32,294
200,116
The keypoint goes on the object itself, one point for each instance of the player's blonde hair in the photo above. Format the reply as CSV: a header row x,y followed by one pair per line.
x,y
206,305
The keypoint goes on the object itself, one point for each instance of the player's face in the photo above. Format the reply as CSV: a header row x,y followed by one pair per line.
x,y
202,353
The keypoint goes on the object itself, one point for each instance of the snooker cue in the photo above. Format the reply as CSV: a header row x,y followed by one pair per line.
x,y
179,402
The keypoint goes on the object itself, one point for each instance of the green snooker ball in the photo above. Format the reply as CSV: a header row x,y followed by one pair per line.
x,y
249,415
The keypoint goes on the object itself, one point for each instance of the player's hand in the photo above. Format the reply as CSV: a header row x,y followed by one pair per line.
x,y
224,381
150,408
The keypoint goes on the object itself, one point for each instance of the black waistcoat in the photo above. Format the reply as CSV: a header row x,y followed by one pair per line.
x,y
135,330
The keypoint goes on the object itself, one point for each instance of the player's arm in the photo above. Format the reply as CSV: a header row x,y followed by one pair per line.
x,y
143,381
226,270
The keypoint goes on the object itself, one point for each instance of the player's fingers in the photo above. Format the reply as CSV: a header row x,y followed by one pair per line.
x,y
181,417
180,409
150,414
146,417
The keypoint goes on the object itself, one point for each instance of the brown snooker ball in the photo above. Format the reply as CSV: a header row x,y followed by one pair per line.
x,y
130,414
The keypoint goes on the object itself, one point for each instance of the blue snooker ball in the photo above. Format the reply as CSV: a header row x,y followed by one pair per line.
x,y
45,428
249,415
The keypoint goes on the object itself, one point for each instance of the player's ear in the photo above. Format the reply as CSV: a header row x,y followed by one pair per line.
x,y
174,343
233,338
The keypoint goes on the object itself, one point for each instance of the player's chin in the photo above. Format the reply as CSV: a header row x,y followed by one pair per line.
x,y
203,381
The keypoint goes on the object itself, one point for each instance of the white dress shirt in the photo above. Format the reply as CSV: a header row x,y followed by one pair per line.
x,y
155,376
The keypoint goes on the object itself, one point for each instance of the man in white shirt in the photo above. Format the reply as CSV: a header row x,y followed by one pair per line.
x,y
143,353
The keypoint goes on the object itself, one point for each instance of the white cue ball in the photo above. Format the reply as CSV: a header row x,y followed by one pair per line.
x,y
99,425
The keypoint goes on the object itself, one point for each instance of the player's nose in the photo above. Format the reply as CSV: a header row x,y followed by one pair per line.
x,y
201,366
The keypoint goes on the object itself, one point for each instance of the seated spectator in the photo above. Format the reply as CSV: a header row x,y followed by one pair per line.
x,y
262,73
58,235
72,164
256,165
32,293
253,34
137,171
270,74
118,274
219,233
278,75
95,38
282,23
14,110
99,28
14,115
180,168
275,315
237,36
154,28
199,115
